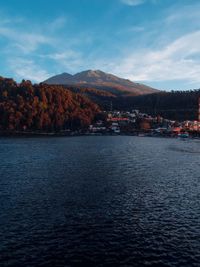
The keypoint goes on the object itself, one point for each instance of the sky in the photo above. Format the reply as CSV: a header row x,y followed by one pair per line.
x,y
155,42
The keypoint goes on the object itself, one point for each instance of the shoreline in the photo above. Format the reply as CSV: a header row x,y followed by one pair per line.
x,y
75,134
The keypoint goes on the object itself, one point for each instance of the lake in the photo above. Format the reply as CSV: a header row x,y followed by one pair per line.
x,y
99,201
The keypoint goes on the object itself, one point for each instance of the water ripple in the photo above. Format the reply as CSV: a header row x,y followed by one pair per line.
x,y
99,201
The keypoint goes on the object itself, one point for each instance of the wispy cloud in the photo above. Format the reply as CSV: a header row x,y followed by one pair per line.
x,y
68,59
24,41
57,23
28,69
24,46
24,37
174,61
138,2
133,2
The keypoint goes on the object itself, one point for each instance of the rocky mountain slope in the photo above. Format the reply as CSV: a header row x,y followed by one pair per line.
x,y
102,81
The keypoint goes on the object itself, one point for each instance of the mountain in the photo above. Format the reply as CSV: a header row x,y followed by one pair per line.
x,y
102,81
59,79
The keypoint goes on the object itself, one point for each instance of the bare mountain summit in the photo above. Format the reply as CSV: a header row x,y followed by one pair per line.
x,y
101,81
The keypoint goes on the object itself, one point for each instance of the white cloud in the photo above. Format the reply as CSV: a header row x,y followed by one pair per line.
x,y
138,2
136,29
29,42
133,2
68,59
185,13
57,23
66,55
169,50
24,41
27,38
175,61
27,69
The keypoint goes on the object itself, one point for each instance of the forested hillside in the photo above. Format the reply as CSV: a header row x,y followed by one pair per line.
x,y
43,107
175,105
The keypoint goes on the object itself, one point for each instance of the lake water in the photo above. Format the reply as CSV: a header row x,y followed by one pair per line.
x,y
99,201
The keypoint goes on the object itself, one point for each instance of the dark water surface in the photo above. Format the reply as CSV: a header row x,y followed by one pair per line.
x,y
99,201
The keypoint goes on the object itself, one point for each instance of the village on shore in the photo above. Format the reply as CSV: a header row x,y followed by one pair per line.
x,y
141,124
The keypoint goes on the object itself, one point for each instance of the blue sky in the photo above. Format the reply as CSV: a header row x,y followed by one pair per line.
x,y
155,42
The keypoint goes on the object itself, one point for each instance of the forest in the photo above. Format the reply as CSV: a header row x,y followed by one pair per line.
x,y
52,108
41,107
174,105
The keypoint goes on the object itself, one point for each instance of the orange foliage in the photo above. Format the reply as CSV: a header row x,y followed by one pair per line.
x,y
42,107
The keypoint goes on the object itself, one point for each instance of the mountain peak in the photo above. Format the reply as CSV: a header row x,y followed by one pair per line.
x,y
100,80
59,79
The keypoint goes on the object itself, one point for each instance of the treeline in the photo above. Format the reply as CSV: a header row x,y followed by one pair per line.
x,y
42,107
90,91
100,97
175,105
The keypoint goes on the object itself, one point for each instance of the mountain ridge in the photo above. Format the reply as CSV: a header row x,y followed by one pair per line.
x,y
101,81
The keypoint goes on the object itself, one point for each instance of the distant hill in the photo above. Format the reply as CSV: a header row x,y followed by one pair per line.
x,y
102,81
